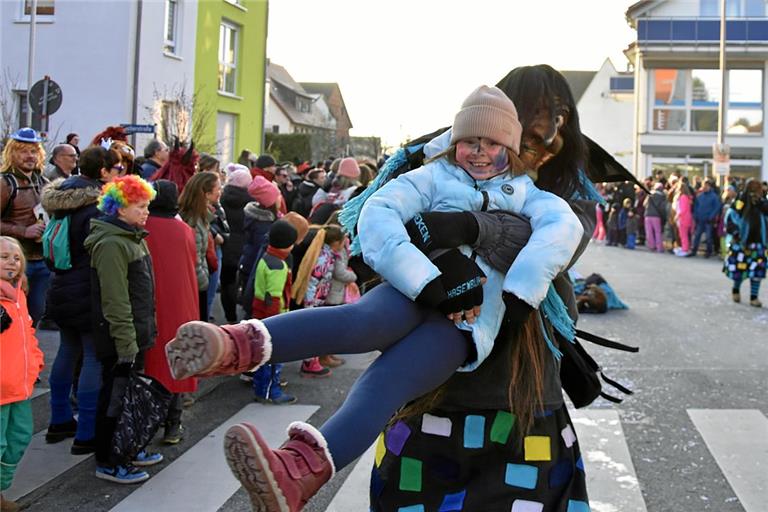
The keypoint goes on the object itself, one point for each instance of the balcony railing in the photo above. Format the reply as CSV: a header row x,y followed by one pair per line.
x,y
702,30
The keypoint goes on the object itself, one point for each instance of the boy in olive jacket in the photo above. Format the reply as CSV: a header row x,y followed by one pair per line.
x,y
122,288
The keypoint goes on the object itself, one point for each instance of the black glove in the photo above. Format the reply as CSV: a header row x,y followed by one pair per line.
x,y
442,230
5,320
458,288
517,311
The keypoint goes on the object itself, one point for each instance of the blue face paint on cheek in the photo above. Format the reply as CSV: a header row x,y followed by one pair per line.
x,y
501,161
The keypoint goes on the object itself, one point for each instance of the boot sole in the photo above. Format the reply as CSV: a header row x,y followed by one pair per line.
x,y
244,450
197,348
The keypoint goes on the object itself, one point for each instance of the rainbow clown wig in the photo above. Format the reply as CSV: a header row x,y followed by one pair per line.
x,y
124,191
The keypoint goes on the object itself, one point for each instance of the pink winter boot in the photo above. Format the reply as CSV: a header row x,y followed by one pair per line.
x,y
281,480
207,349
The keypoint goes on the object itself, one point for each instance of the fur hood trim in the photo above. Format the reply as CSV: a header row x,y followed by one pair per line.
x,y
57,199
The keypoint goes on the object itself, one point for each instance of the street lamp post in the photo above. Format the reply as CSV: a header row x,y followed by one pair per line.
x,y
31,58
721,151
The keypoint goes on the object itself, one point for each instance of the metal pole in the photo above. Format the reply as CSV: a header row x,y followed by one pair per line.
x,y
44,114
31,61
723,79
136,62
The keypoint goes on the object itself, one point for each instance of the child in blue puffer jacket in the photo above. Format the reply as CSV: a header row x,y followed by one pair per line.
x,y
471,168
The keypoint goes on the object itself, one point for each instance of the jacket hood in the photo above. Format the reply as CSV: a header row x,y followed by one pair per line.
x,y
234,197
255,213
104,227
438,144
307,188
166,202
70,194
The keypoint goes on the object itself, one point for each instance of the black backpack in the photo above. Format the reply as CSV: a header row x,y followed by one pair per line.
x,y
580,376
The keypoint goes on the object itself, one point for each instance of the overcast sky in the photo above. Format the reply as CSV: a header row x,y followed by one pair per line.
x,y
404,67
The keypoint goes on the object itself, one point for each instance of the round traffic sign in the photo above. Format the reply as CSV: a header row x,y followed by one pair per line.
x,y
54,97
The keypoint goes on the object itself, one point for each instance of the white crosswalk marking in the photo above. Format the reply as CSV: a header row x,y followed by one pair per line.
x,y
738,440
41,463
200,479
611,480
353,495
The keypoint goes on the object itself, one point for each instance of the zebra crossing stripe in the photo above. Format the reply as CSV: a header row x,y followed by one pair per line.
x,y
353,495
42,462
738,440
200,479
611,479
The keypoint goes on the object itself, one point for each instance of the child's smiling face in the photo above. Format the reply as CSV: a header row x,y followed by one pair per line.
x,y
481,157
10,261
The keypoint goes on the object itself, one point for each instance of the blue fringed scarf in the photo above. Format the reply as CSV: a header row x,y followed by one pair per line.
x,y
351,211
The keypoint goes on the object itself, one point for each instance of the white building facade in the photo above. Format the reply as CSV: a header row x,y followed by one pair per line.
x,y
117,62
678,82
606,112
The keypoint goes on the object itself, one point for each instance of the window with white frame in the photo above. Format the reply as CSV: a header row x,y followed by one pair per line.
x,y
228,40
226,126
745,101
44,7
170,36
21,110
687,100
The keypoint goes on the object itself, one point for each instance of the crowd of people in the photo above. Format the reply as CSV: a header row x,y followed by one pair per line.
x,y
124,255
678,214
116,251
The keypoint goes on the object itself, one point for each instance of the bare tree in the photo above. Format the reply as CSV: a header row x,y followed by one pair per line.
x,y
179,114
9,84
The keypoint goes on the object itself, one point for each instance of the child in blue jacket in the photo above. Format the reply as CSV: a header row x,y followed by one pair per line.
x,y
471,168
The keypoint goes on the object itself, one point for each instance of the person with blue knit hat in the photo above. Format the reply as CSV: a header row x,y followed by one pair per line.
x,y
23,218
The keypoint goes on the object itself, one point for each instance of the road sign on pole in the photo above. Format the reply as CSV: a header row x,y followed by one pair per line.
x,y
721,157
138,128
45,97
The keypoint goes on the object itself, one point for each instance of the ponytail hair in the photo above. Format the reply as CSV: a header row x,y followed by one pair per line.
x,y
326,234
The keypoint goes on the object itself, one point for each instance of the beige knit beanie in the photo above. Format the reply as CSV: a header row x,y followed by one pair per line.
x,y
488,112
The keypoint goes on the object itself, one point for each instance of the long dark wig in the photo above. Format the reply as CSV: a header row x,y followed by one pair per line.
x,y
533,89
541,88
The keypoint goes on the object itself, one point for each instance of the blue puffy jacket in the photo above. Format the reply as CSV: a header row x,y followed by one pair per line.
x,y
442,186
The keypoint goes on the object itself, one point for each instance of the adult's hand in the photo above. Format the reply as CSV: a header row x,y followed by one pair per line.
x,y
34,231
442,230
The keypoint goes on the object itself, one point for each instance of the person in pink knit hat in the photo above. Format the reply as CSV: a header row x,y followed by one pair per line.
x,y
344,184
266,193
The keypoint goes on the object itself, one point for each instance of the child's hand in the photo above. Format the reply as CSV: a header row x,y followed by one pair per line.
x,y
5,320
442,230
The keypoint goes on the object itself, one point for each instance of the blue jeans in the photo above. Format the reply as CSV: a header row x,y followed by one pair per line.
x,y
420,350
73,343
701,228
38,277
213,282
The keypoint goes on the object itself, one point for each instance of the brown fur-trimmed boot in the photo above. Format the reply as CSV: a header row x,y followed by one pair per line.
x,y
280,480
204,349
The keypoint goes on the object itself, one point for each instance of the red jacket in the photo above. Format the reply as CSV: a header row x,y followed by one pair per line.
x,y
172,248
20,356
